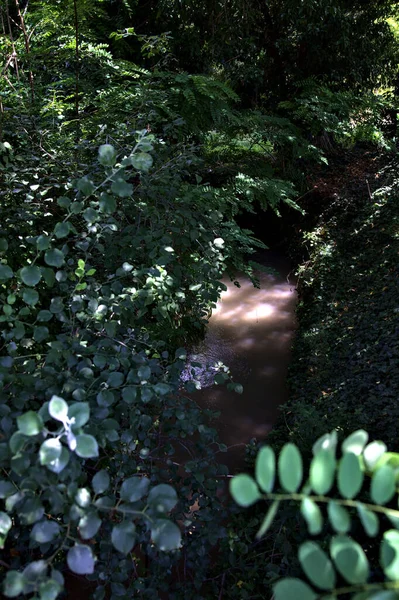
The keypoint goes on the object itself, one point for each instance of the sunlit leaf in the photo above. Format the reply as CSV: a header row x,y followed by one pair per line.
x,y
312,515
58,408
80,559
30,423
349,559
244,490
355,442
107,155
322,472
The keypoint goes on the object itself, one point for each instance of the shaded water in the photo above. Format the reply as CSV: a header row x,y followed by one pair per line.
x,y
250,331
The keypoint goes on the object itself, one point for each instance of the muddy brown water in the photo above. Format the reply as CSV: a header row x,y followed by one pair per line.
x,y
251,332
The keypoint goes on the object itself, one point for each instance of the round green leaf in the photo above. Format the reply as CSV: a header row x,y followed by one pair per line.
x,y
31,275
383,485
62,230
14,584
372,454
50,589
339,517
89,525
50,451
30,297
79,413
80,559
121,188
293,589
312,515
3,245
60,463
100,482
290,469
349,559
64,202
107,203
31,510
369,520
107,155
355,442
134,488
350,475
90,215
43,242
389,554
166,535
54,258
123,536
45,531
244,490
322,472
44,315
85,185
83,498
317,566
327,442
5,523
5,272
58,408
142,161
162,497
40,334
265,469
30,423
86,446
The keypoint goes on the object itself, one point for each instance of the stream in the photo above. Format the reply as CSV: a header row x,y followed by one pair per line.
x,y
251,332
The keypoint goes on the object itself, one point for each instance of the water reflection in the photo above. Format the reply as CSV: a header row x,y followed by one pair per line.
x,y
250,331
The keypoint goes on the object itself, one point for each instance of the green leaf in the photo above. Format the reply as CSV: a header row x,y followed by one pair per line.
x,y
31,510
383,485
30,423
100,482
60,463
58,409
144,373
40,334
123,536
14,584
90,215
166,535
45,531
129,394
312,515
85,185
62,230
44,315
5,272
134,488
64,202
83,498
349,558
3,245
327,442
76,207
5,523
162,497
50,451
89,525
372,454
80,559
350,476
356,442
142,161
268,519
121,188
31,275
43,242
389,554
369,520
7,489
86,446
50,589
322,472
79,413
339,517
107,155
107,204
54,258
317,566
244,490
293,589
265,469
290,469
30,297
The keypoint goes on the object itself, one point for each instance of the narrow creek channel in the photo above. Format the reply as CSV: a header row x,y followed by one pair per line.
x,y
251,332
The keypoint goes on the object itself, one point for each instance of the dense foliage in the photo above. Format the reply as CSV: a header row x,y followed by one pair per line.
x,y
134,136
